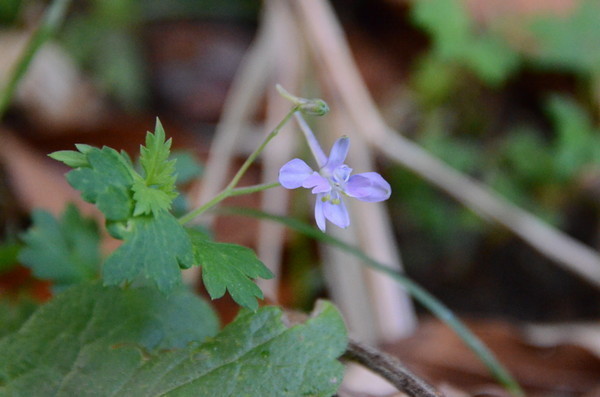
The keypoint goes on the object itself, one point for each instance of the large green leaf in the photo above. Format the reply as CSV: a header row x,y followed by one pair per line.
x,y
13,313
89,338
94,341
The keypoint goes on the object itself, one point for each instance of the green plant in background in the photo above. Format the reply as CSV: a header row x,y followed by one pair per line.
x,y
9,11
103,38
458,45
461,75
569,42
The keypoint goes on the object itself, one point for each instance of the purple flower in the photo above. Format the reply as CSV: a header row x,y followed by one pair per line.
x,y
332,182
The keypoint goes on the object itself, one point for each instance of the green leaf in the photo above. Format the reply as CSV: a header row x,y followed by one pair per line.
x,y
156,190
65,251
104,181
90,339
93,341
230,267
71,158
154,250
256,355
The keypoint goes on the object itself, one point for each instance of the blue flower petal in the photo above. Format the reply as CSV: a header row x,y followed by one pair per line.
x,y
342,173
368,186
336,213
338,154
293,173
319,215
317,182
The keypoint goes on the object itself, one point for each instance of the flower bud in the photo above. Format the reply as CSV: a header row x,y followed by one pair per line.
x,y
313,107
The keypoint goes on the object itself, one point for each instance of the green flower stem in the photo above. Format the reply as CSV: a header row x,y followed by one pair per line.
x,y
223,195
194,213
50,23
496,369
253,188
259,150
230,190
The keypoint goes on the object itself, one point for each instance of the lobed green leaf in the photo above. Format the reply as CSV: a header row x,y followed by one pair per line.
x,y
105,182
155,249
155,191
65,251
230,267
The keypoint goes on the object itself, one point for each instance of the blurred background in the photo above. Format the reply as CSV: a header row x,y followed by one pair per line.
x,y
504,91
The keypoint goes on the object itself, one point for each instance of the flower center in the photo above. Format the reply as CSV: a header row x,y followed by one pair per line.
x,y
337,180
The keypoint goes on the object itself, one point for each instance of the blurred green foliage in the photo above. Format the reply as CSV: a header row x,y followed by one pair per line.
x,y
102,36
105,37
538,161
9,11
9,251
571,42
456,41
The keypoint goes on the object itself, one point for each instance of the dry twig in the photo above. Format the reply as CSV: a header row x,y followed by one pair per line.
x,y
389,368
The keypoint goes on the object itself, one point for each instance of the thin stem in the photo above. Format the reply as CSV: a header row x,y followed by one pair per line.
x,y
52,19
253,189
194,213
495,368
230,190
223,195
259,150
